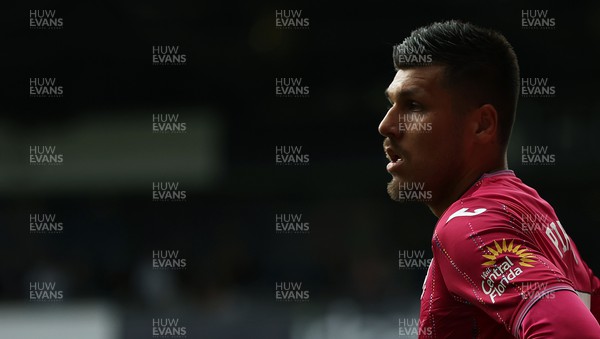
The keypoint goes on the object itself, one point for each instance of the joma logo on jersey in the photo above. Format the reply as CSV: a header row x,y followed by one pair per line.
x,y
499,274
464,212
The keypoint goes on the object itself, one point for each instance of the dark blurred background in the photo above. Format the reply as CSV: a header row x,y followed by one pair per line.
x,y
225,161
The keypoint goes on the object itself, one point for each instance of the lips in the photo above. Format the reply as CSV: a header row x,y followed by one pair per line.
x,y
396,159
392,155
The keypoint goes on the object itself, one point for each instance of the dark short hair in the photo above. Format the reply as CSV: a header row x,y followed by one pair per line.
x,y
479,62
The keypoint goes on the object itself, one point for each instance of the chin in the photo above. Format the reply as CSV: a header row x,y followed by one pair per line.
x,y
393,189
403,190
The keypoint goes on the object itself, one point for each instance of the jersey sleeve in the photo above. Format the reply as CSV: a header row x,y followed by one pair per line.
x,y
595,293
489,263
545,319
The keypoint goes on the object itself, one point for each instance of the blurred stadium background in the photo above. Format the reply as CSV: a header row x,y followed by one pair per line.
x,y
225,229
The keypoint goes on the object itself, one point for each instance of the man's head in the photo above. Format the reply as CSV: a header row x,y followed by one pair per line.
x,y
454,98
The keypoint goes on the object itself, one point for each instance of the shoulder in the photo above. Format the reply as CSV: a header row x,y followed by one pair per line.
x,y
475,216
474,234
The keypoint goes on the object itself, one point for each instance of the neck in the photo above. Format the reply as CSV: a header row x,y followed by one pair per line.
x,y
438,207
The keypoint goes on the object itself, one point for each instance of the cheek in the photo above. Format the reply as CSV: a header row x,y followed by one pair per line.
x,y
443,142
450,144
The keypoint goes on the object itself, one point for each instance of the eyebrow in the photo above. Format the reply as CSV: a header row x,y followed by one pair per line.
x,y
405,92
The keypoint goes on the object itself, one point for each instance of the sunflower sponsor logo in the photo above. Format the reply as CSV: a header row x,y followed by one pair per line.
x,y
504,263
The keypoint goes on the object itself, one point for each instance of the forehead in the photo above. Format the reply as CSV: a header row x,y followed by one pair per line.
x,y
416,80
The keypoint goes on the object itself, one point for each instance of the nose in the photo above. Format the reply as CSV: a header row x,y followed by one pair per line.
x,y
388,127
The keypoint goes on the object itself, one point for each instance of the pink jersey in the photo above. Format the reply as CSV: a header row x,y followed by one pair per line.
x,y
498,250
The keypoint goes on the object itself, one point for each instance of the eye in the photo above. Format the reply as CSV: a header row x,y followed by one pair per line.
x,y
414,106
